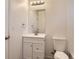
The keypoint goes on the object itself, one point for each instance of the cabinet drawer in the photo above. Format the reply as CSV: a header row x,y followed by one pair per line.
x,y
38,47
32,40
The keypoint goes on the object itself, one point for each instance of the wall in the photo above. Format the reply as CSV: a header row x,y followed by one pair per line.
x,y
59,22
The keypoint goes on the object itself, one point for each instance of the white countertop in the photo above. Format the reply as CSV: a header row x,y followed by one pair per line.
x,y
40,35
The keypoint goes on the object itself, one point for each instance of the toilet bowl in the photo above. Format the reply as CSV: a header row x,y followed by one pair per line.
x,y
60,55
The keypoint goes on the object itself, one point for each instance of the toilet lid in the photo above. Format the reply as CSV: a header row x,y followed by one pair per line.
x,y
60,55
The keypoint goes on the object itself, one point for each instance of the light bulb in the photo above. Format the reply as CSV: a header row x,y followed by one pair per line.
x,y
31,3
38,2
42,1
34,2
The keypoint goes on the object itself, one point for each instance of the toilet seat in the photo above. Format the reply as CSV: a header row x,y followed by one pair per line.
x,y
60,55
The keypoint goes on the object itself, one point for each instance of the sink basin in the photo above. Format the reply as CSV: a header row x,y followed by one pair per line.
x,y
40,35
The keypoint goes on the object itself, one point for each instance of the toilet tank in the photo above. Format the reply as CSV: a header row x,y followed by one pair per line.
x,y
59,43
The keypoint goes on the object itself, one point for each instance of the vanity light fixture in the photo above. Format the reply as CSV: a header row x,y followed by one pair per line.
x,y
33,3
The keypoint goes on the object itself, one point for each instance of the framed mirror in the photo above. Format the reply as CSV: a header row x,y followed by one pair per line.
x,y
36,16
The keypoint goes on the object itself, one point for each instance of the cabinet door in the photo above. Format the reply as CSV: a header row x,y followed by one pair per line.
x,y
38,50
27,51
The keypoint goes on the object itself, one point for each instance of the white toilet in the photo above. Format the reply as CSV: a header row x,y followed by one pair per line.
x,y
60,46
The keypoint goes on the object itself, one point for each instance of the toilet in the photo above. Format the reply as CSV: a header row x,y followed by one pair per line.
x,y
60,46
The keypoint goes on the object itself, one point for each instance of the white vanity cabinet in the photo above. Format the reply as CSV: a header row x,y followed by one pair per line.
x,y
33,47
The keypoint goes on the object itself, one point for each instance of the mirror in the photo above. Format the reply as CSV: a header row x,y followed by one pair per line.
x,y
37,15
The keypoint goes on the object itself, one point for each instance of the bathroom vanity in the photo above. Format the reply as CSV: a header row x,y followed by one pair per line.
x,y
33,46
34,41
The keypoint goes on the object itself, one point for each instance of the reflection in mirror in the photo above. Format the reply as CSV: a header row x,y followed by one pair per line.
x,y
41,20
